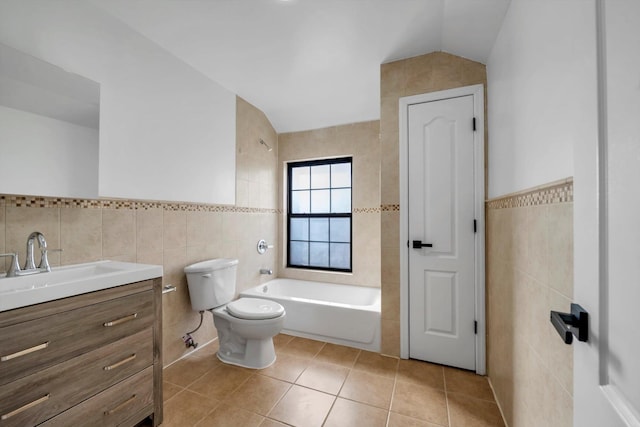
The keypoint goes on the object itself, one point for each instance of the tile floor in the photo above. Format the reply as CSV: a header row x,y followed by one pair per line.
x,y
319,384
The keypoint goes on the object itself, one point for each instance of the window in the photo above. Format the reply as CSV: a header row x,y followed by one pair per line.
x,y
319,214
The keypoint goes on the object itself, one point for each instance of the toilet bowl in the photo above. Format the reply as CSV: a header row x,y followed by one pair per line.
x,y
246,326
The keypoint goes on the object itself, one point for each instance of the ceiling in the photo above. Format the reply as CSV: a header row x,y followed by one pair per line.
x,y
310,63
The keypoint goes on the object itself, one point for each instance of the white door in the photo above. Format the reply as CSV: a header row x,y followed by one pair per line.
x,y
441,232
607,231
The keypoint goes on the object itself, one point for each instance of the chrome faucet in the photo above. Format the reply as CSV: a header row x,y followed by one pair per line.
x,y
266,271
30,265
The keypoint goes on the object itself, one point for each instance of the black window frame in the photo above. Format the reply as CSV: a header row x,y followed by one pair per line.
x,y
290,215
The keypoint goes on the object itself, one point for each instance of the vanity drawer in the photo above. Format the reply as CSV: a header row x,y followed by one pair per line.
x,y
114,406
30,346
40,396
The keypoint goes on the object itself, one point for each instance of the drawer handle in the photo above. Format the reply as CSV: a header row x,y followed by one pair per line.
x,y
120,320
24,352
120,406
25,407
120,363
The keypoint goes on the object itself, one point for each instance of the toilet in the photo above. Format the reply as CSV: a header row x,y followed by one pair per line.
x,y
246,326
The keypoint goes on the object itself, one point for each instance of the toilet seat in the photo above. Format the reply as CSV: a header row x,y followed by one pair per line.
x,y
254,309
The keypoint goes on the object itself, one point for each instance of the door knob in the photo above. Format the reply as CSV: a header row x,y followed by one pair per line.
x,y
417,244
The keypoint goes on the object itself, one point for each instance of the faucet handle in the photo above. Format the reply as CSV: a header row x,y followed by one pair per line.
x,y
44,259
15,266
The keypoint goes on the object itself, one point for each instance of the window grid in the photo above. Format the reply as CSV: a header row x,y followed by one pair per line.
x,y
328,215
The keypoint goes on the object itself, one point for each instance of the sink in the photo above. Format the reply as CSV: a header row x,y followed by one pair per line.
x,y
70,280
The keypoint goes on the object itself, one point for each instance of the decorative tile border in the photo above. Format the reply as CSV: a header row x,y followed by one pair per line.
x,y
390,208
365,210
56,202
554,192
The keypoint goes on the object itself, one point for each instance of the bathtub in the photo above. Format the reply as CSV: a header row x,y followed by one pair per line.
x,y
340,314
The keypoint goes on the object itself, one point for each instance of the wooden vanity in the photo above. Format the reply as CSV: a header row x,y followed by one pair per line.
x,y
93,359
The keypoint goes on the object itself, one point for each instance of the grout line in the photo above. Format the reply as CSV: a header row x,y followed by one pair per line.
x,y
324,420
495,397
393,395
277,402
446,397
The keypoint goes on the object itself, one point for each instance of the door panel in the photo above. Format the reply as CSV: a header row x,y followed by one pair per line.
x,y
438,160
441,213
607,237
440,302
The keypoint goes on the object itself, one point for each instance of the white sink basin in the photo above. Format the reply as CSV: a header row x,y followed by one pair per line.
x,y
70,280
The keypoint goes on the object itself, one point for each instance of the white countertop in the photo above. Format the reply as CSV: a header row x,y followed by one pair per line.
x,y
71,280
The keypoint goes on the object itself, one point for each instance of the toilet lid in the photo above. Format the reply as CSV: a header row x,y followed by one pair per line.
x,y
255,309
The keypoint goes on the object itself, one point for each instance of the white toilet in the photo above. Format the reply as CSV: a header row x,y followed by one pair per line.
x,y
246,327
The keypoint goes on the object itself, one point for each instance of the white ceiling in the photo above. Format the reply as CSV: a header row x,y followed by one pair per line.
x,y
310,63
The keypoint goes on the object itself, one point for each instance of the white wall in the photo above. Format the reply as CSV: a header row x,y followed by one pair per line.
x,y
541,92
166,131
46,157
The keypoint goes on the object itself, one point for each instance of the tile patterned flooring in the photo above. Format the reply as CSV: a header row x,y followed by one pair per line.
x,y
319,384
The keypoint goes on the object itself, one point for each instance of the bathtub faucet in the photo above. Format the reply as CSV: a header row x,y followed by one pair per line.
x,y
266,271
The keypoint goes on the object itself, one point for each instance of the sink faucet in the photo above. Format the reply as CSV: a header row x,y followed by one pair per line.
x,y
42,244
30,264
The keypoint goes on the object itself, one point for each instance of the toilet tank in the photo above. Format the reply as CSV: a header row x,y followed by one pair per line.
x,y
211,283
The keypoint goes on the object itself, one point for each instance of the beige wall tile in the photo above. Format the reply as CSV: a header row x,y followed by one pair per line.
x,y
175,229
520,236
155,258
538,245
118,233
393,79
199,228
390,173
561,248
150,239
390,264
149,218
80,235
366,248
390,338
390,229
255,164
390,294
529,255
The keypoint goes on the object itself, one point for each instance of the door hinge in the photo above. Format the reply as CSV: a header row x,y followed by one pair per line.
x,y
475,226
475,327
474,124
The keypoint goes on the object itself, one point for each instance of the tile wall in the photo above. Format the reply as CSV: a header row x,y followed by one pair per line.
x,y
362,142
529,273
421,74
169,234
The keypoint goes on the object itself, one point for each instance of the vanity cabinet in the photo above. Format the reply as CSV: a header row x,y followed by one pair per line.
x,y
92,359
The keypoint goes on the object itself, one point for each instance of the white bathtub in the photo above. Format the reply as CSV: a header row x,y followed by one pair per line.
x,y
339,314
